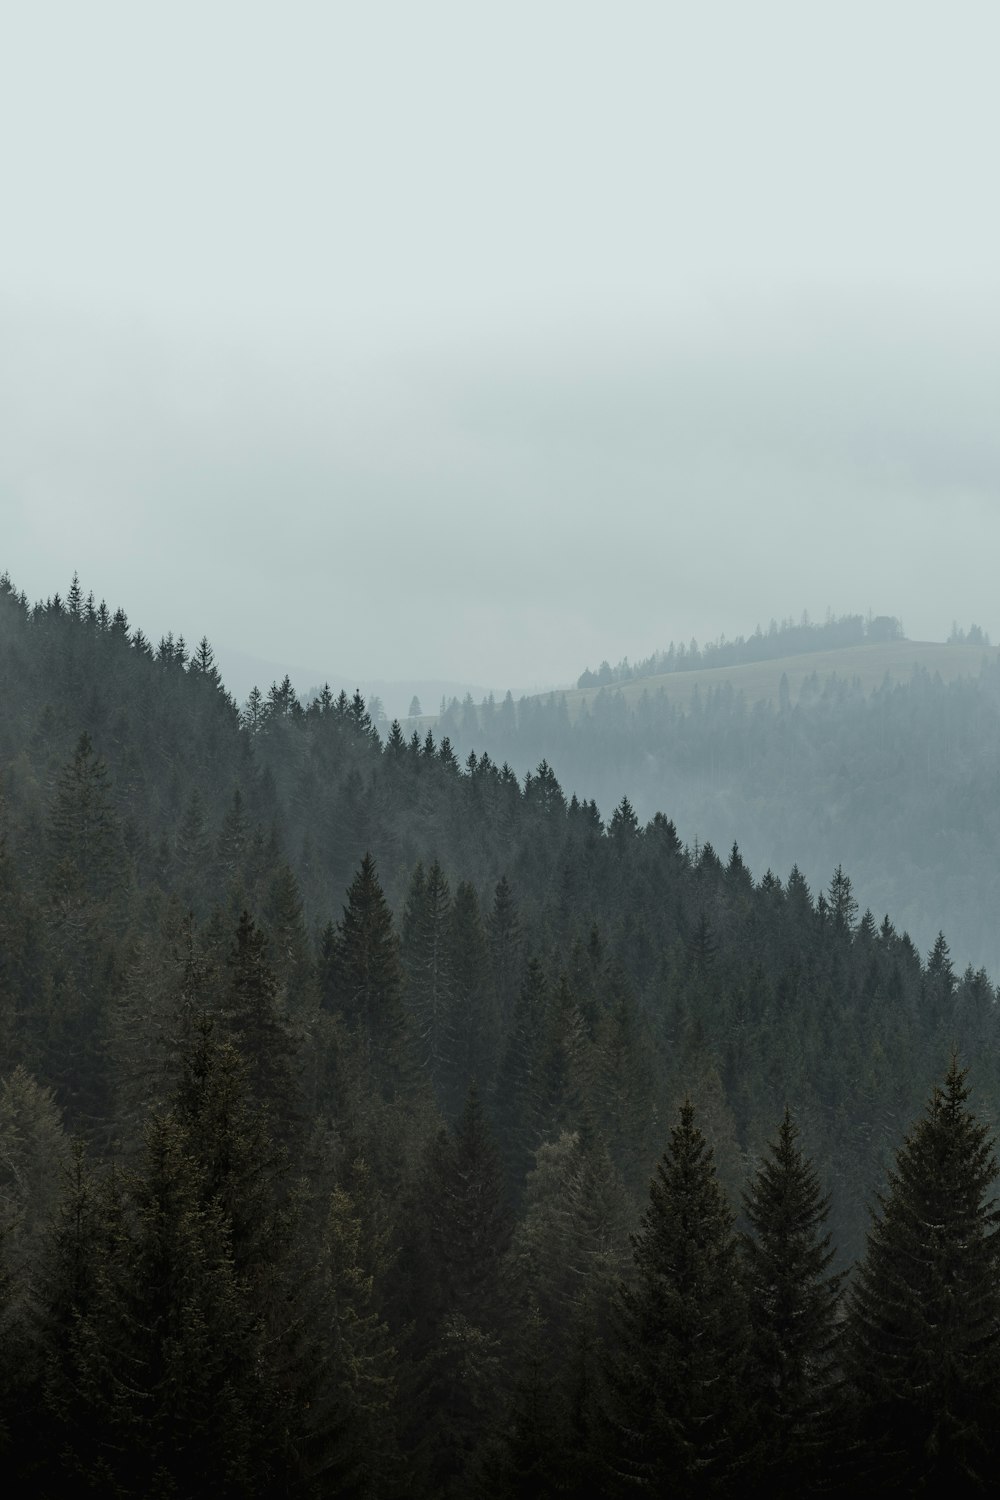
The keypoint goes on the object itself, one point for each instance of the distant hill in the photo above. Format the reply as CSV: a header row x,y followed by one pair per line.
x,y
334,1073
881,756
868,662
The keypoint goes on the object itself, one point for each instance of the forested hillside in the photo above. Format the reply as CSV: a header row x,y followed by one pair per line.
x,y
373,1122
895,782
790,638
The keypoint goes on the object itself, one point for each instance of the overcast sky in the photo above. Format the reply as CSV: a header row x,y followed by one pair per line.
x,y
481,342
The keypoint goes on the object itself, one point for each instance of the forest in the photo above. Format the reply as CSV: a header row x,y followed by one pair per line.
x,y
376,1119
789,638
898,784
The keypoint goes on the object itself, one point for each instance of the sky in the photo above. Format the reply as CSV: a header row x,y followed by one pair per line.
x,y
475,344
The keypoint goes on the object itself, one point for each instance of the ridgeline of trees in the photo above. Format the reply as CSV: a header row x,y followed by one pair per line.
x,y
898,785
372,1123
787,639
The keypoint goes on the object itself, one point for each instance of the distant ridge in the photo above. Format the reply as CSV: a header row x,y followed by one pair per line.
x,y
869,662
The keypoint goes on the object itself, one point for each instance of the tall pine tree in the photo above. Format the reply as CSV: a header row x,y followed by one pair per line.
x,y
792,1300
924,1313
677,1408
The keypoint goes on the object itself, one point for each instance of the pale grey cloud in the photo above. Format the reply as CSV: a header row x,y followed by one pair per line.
x,y
447,340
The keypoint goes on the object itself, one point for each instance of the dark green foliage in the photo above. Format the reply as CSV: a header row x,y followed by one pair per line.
x,y
530,1457
904,776
519,1094
86,889
193,854
923,1345
270,1224
426,955
365,984
792,1302
504,930
77,1424
473,1022
359,1457
470,1219
678,1404
457,1252
568,1253
192,1409
254,1019
84,838
173,1361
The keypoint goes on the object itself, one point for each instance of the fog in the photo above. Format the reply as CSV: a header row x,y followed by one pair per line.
x,y
477,349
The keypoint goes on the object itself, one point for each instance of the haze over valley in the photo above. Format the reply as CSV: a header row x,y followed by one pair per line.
x,y
499,750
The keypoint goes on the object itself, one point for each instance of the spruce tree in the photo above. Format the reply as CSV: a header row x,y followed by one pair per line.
x,y
792,1301
255,1020
473,1023
924,1313
359,1385
676,1402
426,959
366,981
457,1303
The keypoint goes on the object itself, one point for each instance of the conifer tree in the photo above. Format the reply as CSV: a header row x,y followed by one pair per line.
x,y
518,1094
530,1454
78,1429
504,934
257,1023
366,979
792,1300
194,1396
570,1247
456,1301
360,1433
473,1023
470,1226
84,838
193,850
426,955
86,880
677,1404
923,1346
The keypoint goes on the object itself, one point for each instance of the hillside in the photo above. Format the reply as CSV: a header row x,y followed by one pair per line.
x,y
882,757
370,1059
869,664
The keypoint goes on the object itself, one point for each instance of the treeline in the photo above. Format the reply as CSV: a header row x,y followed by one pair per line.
x,y
790,638
335,1077
196,1322
897,785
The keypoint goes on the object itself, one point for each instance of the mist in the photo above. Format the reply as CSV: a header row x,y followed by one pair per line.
x,y
504,514
481,349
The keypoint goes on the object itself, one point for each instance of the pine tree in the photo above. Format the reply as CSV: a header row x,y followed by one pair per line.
x,y
570,1247
530,1455
426,955
85,887
359,1429
366,980
676,1382
79,1428
793,1301
256,1022
923,1344
504,933
244,1191
203,664
84,838
473,1022
518,1094
193,850
193,1396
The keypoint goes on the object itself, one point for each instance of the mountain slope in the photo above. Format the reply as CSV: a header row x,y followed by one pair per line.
x,y
885,766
